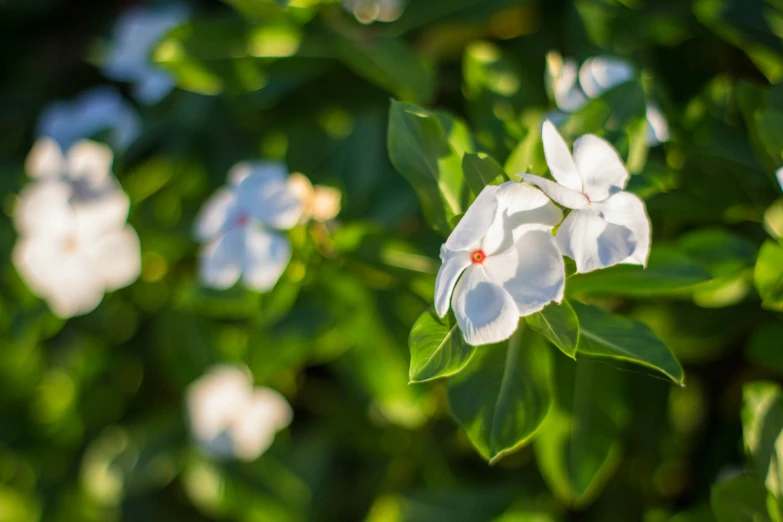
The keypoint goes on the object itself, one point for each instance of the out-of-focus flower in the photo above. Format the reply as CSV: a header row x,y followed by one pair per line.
x,y
561,80
501,262
136,34
596,76
607,226
230,418
239,225
319,203
369,11
92,112
779,175
74,242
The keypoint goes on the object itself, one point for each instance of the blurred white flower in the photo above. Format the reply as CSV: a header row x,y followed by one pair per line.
x,y
239,224
500,262
230,418
596,76
779,175
94,111
607,226
369,11
561,80
74,242
319,203
136,34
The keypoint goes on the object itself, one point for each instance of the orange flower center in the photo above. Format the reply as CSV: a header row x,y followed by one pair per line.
x,y
478,257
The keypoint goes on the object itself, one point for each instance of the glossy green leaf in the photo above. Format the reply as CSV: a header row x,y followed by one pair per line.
x,y
617,338
740,499
504,393
762,429
480,171
437,348
768,275
579,445
528,155
426,148
669,272
559,324
389,63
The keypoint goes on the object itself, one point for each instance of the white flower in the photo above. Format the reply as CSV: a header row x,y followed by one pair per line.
x,y
561,80
238,224
230,418
369,11
779,175
501,262
657,125
607,226
601,73
320,203
96,110
72,254
136,34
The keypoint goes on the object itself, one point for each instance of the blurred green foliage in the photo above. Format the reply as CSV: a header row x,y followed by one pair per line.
x,y
92,423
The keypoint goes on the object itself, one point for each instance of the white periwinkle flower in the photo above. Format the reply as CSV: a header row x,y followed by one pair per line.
x,y
561,79
94,111
136,34
240,225
230,418
779,176
601,73
607,225
74,242
500,263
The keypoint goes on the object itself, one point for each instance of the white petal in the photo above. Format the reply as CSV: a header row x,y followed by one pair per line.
x,y
599,74
117,257
475,222
560,194
99,215
628,210
532,272
89,161
43,208
221,260
216,215
272,170
558,158
593,242
657,126
45,159
600,167
485,312
454,263
215,400
563,79
254,431
266,257
269,199
779,175
521,207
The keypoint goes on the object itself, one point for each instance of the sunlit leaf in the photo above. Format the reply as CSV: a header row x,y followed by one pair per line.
x,y
504,393
559,324
425,148
768,275
437,348
762,428
480,171
617,338
740,499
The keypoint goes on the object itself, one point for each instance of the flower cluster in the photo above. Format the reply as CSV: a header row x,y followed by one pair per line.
x,y
230,418
74,241
501,262
242,224
572,87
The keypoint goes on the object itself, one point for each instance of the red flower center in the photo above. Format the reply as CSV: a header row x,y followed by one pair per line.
x,y
478,257
242,220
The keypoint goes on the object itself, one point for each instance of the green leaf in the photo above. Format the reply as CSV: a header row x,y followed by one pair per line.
x,y
669,272
559,324
426,148
390,64
764,346
480,171
504,394
617,338
437,348
768,275
580,444
762,429
740,499
528,155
